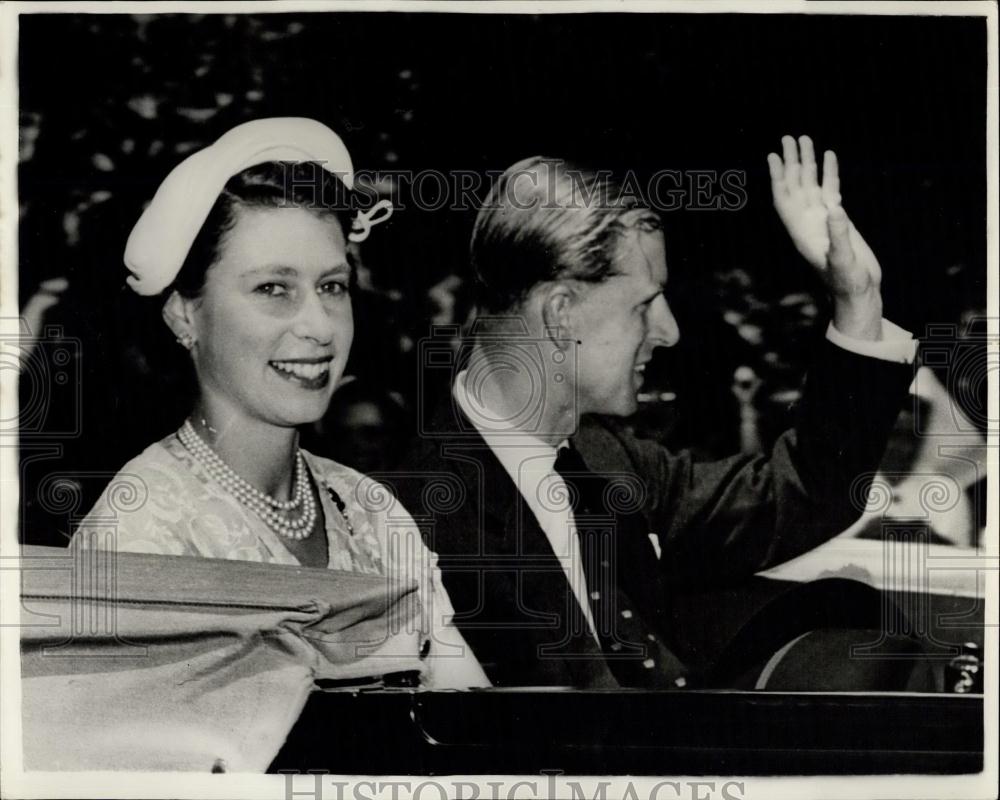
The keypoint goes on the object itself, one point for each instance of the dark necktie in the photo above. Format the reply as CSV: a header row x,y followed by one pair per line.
x,y
634,651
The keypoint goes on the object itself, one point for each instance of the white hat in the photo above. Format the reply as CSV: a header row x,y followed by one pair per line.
x,y
162,237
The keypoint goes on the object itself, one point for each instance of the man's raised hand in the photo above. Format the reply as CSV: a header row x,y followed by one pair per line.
x,y
825,236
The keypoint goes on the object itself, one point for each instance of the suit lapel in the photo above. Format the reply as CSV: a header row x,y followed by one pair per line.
x,y
511,531
510,540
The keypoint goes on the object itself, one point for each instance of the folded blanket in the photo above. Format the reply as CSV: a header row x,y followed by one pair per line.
x,y
148,662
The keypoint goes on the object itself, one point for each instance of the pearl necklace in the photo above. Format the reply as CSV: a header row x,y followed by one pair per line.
x,y
277,514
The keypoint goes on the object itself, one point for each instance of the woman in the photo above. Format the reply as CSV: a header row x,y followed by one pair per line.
x,y
247,241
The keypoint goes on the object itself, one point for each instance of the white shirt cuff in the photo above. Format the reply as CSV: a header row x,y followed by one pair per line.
x,y
896,344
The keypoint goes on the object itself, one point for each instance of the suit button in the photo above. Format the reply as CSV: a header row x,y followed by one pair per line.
x,y
649,663
627,614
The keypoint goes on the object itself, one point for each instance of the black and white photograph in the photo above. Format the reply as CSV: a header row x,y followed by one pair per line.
x,y
499,400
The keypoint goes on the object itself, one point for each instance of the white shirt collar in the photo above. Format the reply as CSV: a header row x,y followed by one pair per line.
x,y
510,445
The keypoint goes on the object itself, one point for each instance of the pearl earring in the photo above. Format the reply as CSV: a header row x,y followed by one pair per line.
x,y
186,340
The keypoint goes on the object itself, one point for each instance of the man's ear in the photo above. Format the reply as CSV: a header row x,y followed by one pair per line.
x,y
177,313
557,307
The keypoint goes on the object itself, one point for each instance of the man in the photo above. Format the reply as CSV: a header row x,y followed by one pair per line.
x,y
547,557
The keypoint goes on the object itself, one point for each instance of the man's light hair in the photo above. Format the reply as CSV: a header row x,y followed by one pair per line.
x,y
546,219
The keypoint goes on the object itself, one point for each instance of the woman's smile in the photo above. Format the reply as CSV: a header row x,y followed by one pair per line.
x,y
309,373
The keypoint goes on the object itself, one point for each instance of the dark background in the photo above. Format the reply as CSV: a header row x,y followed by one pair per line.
x,y
110,103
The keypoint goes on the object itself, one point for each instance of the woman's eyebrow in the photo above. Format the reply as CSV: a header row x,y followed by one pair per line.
x,y
273,269
285,270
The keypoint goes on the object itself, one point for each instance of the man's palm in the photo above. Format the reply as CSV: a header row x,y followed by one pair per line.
x,y
818,225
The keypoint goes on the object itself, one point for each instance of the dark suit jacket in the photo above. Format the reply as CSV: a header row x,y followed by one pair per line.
x,y
715,522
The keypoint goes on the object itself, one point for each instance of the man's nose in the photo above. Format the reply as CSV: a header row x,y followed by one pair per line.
x,y
314,321
663,329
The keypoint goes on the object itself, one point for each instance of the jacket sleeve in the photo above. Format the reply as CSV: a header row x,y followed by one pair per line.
x,y
727,519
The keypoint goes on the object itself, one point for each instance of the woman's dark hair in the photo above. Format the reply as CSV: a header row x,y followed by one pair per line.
x,y
273,184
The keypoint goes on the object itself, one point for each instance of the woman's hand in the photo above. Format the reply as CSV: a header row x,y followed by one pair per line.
x,y
825,236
